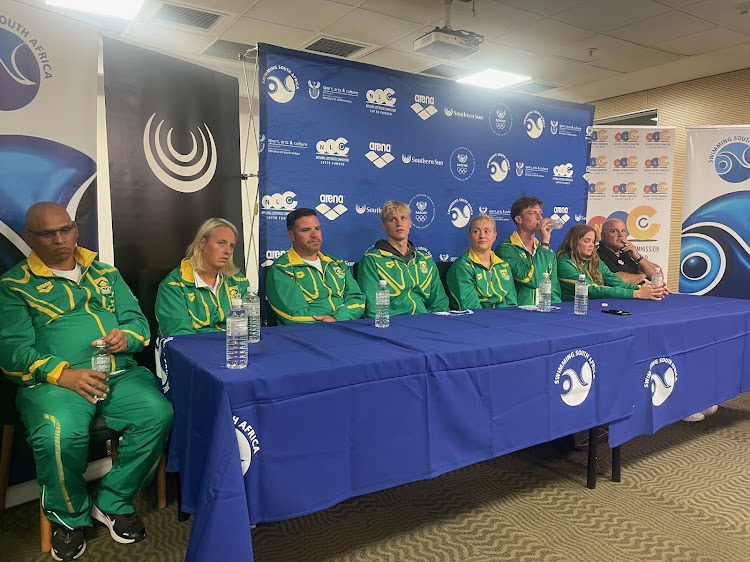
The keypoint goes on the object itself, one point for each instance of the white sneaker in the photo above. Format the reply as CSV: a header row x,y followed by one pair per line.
x,y
710,411
698,416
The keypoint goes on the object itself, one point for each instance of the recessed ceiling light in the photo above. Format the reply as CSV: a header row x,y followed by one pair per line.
x,y
494,79
125,9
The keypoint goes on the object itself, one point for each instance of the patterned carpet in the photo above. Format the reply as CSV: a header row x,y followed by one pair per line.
x,y
685,496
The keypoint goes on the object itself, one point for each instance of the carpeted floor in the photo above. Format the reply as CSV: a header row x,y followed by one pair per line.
x,y
685,496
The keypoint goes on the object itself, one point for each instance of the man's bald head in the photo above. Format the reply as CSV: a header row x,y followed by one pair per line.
x,y
614,234
52,234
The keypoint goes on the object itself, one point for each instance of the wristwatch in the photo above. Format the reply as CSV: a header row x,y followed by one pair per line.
x,y
638,260
545,244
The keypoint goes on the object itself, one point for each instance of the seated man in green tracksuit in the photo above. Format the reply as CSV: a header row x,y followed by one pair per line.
x,y
304,285
528,257
54,308
196,296
412,276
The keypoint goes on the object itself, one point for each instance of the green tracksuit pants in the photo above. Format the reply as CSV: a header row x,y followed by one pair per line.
x,y
57,422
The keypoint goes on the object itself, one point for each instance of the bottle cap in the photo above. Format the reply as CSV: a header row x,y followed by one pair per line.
x,y
236,303
381,283
100,343
605,304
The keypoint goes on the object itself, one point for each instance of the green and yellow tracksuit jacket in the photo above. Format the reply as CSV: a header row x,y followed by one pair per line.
x,y
528,270
471,285
183,308
297,291
613,288
47,323
413,280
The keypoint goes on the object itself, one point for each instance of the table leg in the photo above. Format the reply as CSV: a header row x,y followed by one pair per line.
x,y
591,465
616,465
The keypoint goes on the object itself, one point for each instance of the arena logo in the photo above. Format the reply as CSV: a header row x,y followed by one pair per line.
x,y
498,166
560,214
247,442
23,63
424,106
660,188
282,201
331,213
186,173
629,162
460,212
462,163
628,188
422,210
272,256
500,119
362,209
660,379
281,83
631,135
659,136
381,102
663,162
534,122
575,377
380,154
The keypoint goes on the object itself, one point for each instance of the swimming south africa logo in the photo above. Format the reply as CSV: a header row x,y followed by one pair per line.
x,y
575,376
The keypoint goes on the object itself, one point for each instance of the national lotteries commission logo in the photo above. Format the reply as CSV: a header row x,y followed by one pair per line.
x,y
281,83
23,64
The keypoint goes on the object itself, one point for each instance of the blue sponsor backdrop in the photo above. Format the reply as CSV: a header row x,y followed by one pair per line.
x,y
344,137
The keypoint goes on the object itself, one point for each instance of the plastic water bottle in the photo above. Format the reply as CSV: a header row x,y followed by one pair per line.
x,y
581,304
251,304
545,293
101,360
382,305
236,336
658,277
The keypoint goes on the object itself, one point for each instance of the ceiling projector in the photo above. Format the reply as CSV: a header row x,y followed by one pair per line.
x,y
445,43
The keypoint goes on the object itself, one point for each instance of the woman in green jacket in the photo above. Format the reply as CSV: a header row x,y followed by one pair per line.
x,y
577,254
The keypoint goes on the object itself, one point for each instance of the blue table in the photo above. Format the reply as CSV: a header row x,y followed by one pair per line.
x,y
330,411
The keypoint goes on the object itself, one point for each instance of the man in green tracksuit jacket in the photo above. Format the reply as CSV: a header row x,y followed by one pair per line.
x,y
196,296
528,257
412,277
304,285
54,307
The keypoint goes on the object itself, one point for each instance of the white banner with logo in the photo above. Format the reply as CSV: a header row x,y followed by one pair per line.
x,y
715,253
48,88
630,178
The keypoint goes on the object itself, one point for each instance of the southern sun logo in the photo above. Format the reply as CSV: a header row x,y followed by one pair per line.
x,y
186,173
20,71
575,376
660,379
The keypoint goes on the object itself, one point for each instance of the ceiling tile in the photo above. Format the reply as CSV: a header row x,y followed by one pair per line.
x,y
492,19
544,35
543,7
349,2
168,39
602,45
500,57
248,30
398,60
420,11
569,73
661,28
722,12
603,15
304,14
370,27
712,40
632,62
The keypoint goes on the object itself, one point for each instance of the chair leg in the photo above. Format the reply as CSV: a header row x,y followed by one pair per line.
x,y
46,530
5,462
161,482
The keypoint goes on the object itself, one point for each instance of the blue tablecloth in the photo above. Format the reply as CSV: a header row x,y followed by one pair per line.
x,y
329,411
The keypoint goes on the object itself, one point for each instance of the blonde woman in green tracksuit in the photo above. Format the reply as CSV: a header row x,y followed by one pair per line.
x,y
196,296
304,285
54,306
479,278
412,276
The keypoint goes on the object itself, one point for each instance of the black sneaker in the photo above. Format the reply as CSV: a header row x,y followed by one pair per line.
x,y
124,528
67,544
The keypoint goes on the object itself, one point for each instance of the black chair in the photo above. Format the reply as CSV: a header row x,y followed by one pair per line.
x,y
265,308
443,267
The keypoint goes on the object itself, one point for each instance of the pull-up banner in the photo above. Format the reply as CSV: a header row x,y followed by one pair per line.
x,y
343,137
47,122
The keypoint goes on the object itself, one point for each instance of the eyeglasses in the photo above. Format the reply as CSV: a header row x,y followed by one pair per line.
x,y
50,234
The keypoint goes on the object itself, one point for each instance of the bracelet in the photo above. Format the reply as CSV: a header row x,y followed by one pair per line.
x,y
638,260
544,244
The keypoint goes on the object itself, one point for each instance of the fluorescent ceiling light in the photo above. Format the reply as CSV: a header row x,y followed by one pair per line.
x,y
125,9
494,79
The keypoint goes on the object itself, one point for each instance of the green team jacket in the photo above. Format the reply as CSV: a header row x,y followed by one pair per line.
x,y
297,291
415,286
528,270
183,308
471,285
613,288
47,323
